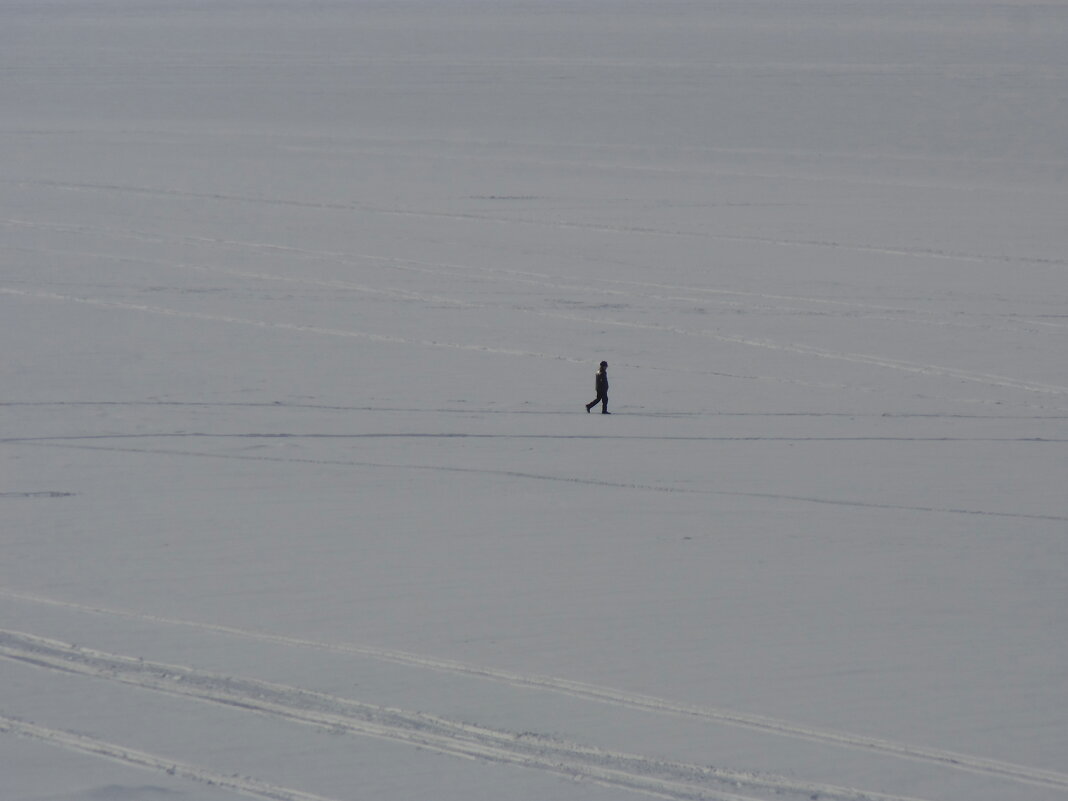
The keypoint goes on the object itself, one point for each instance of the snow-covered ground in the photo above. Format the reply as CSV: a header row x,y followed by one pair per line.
x,y
300,305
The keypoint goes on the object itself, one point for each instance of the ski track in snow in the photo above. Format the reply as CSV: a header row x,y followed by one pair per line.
x,y
306,329
465,435
81,743
652,776
869,360
87,167
591,155
613,287
734,300
647,775
403,341
44,443
878,361
131,189
604,286
486,410
38,494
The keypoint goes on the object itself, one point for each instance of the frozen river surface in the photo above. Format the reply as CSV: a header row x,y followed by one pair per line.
x,y
301,302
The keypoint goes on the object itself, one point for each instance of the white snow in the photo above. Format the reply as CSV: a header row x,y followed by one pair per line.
x,y
301,302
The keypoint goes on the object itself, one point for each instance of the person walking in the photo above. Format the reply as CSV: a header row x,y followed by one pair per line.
x,y
601,385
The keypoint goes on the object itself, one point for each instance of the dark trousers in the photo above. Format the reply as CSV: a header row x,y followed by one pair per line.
x,y
602,398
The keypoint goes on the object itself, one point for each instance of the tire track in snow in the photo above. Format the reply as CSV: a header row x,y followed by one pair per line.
x,y
120,753
632,772
605,695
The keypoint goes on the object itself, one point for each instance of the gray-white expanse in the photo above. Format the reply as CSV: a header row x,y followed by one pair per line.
x,y
301,302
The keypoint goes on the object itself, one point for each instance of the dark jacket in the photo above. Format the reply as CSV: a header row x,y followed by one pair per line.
x,y
601,383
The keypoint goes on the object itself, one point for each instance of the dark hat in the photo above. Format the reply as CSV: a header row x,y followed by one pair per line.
x,y
604,364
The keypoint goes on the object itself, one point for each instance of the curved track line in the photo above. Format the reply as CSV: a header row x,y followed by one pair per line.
x,y
652,776
877,361
307,329
61,438
304,329
748,300
257,789
807,350
348,286
368,208
38,494
481,410
541,280
606,695
142,759
593,482
439,269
